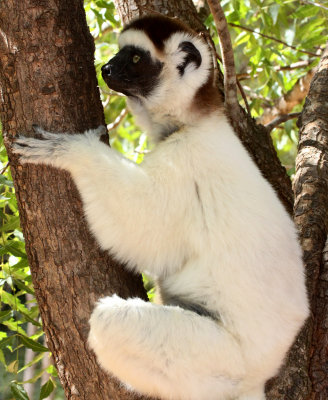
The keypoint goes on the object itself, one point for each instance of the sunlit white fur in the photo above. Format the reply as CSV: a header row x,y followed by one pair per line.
x,y
197,215
133,37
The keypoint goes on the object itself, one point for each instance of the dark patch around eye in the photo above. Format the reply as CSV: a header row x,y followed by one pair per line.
x,y
192,56
133,78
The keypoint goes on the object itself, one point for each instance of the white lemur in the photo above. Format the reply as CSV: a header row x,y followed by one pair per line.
x,y
198,216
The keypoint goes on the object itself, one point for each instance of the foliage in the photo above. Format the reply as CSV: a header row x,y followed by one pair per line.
x,y
266,64
298,32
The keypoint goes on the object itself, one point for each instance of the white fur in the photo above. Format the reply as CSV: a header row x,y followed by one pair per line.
x,y
134,37
198,215
169,102
176,92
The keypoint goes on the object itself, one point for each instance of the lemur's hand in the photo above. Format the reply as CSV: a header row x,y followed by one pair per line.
x,y
52,148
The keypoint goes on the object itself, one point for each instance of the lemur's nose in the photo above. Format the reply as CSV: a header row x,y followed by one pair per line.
x,y
106,69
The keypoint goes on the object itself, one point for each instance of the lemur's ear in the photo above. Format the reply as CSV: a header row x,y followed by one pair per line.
x,y
192,56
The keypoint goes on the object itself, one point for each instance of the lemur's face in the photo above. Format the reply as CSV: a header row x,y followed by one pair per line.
x,y
160,62
132,72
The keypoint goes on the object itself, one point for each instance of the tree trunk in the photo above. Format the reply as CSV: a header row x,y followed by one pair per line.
x,y
305,375
311,218
41,83
47,77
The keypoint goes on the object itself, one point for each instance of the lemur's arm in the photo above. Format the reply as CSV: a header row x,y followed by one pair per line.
x,y
126,208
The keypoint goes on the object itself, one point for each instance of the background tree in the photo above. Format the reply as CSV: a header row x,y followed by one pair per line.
x,y
276,47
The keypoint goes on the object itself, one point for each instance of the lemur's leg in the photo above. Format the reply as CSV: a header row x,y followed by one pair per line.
x,y
256,394
166,351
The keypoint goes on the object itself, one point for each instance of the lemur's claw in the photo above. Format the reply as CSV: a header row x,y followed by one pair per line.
x,y
100,131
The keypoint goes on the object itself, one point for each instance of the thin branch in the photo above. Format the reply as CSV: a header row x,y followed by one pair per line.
x,y
104,32
274,39
230,81
243,95
118,120
111,92
241,90
280,119
266,102
4,169
296,65
314,4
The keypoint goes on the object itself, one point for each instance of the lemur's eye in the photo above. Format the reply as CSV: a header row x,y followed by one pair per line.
x,y
135,59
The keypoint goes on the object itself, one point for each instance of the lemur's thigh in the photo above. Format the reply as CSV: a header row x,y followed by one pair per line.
x,y
256,394
163,349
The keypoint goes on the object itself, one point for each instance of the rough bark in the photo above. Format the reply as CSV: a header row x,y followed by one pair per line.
x,y
311,217
306,372
47,77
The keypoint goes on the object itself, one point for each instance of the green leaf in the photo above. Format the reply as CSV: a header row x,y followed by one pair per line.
x,y
11,225
30,319
15,248
34,361
6,341
290,34
14,325
23,287
52,370
32,344
274,11
13,367
2,359
46,389
5,181
18,391
5,314
9,299
35,377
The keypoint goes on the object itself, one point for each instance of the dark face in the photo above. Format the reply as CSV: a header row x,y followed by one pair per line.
x,y
132,72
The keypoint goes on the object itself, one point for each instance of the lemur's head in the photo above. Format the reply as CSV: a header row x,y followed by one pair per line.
x,y
163,66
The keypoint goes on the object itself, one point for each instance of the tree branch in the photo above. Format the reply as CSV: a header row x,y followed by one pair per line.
x,y
296,65
274,39
118,120
230,81
241,89
243,95
314,4
280,119
308,357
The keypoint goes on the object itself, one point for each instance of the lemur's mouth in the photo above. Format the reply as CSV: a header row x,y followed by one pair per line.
x,y
119,85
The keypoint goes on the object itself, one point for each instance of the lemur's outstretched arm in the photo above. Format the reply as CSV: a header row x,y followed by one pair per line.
x,y
126,208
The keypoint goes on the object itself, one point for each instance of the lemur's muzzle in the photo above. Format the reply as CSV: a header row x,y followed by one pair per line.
x,y
115,78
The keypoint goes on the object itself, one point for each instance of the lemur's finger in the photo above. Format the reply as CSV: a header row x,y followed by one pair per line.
x,y
97,132
43,133
101,130
31,142
37,129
